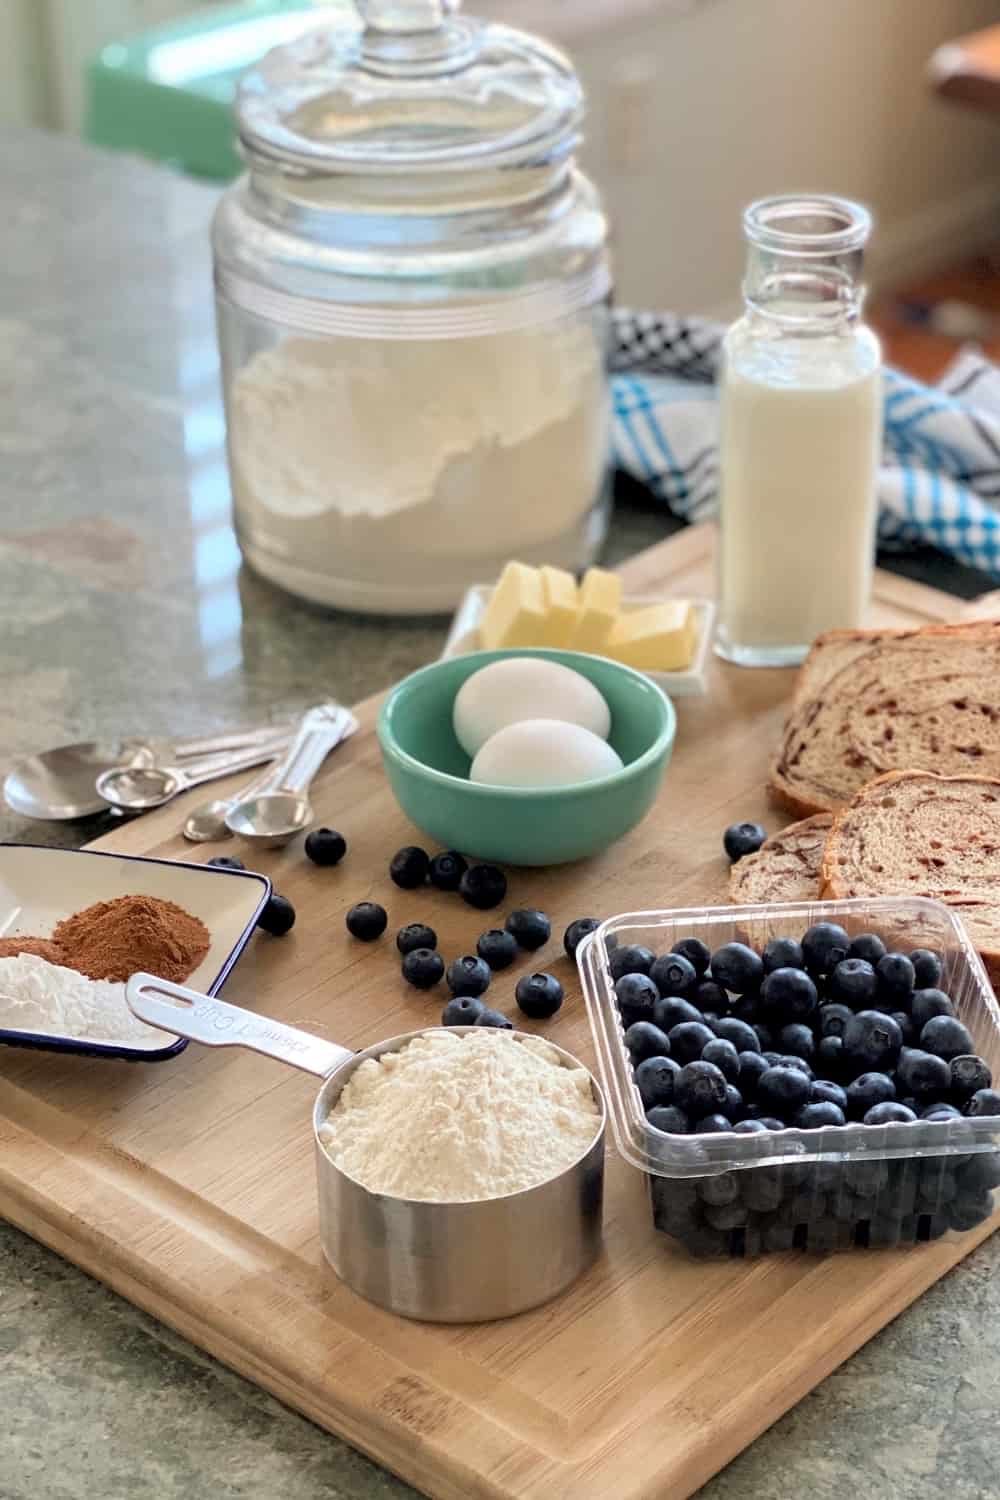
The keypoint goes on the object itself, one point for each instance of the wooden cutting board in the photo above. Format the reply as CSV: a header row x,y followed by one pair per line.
x,y
188,1186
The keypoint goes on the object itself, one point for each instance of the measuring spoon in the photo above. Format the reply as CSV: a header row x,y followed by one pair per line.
x,y
270,816
137,789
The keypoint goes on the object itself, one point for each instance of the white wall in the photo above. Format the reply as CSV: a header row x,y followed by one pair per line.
x,y
23,67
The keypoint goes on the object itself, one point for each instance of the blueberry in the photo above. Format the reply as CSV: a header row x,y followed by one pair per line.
x,y
576,932
325,846
719,1190
765,1040
446,870
747,1008
737,967
423,968
822,1113
752,1068
872,1040
940,1112
771,1122
853,982
782,953
673,974
713,1125
410,867
889,1113
867,946
278,916
643,1040
797,1040
946,1037
907,1030
707,995
927,1004
966,1213
669,1119
983,1102
894,975
227,862
822,1091
497,948
789,994
655,1078
734,1107
539,995
696,952
968,1076
981,1173
670,1010
463,1010
772,1058
469,975
631,958
700,1089
529,929
742,838
367,921
495,1019
637,996
867,1091
824,946
688,1040
833,1019
927,968
482,886
415,935
725,1057
750,1127
830,1054
783,1091
792,1060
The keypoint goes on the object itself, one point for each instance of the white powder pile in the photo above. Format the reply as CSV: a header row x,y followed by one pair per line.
x,y
457,1118
48,1000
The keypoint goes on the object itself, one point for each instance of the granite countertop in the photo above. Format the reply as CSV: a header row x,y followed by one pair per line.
x,y
125,607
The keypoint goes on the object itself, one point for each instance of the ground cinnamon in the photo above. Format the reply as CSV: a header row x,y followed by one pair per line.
x,y
115,939
45,948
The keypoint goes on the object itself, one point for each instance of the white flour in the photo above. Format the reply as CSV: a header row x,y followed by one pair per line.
x,y
48,1000
456,1118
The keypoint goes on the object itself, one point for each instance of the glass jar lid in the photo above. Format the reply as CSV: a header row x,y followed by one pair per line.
x,y
409,86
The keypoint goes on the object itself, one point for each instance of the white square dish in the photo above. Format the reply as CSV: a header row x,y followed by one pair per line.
x,y
40,886
463,637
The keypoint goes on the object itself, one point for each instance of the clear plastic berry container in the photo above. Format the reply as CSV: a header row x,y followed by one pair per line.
x,y
854,1185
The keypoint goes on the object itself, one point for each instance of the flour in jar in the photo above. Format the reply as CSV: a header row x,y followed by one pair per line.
x,y
459,1117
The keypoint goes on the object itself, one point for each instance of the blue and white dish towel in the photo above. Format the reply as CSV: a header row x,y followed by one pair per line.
x,y
939,484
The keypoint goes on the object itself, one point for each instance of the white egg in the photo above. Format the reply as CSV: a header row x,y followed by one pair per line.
x,y
525,687
543,752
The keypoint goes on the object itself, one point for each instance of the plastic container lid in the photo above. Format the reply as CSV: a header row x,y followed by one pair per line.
x,y
410,86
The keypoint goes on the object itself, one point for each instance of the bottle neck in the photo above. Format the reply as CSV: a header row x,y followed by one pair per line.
x,y
802,296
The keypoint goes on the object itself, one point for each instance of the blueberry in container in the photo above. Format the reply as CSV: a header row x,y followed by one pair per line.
x,y
768,1185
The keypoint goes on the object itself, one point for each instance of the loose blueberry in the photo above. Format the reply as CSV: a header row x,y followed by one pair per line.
x,y
853,982
788,994
750,1127
539,995
797,1040
968,1076
630,958
637,996
833,1019
325,846
469,975
752,1067
446,870
655,1078
673,974
946,1037
688,1041
482,886
423,968
409,867
227,862
872,1041
822,1091
743,838
927,1004
824,946
894,976
927,968
822,1113
529,929
367,921
724,1056
867,1091
670,1010
830,1054
494,1018
737,968
643,1040
696,952
889,1114
278,916
713,1125
707,995
734,1107
463,1010
415,935
983,1102
867,946
496,948
669,1119
700,1089
576,932
783,1091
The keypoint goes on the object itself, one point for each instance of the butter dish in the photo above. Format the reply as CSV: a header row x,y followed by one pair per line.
x,y
463,637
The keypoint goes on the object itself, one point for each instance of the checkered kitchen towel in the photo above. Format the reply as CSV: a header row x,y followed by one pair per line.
x,y
939,483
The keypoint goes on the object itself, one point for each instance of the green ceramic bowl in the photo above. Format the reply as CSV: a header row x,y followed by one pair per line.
x,y
428,769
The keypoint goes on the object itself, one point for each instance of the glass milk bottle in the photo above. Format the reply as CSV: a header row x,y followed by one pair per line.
x,y
801,413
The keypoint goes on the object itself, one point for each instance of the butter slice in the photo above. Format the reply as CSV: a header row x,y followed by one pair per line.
x,y
600,601
515,615
562,606
659,638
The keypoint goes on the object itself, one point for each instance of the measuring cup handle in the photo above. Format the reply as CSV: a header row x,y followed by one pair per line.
x,y
201,1018
322,729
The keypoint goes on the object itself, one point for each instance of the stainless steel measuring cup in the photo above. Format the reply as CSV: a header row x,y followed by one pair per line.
x,y
439,1262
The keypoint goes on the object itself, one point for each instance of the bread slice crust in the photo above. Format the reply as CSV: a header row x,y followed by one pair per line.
x,y
786,868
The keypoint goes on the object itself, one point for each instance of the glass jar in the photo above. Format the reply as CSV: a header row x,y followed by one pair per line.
x,y
801,411
412,286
